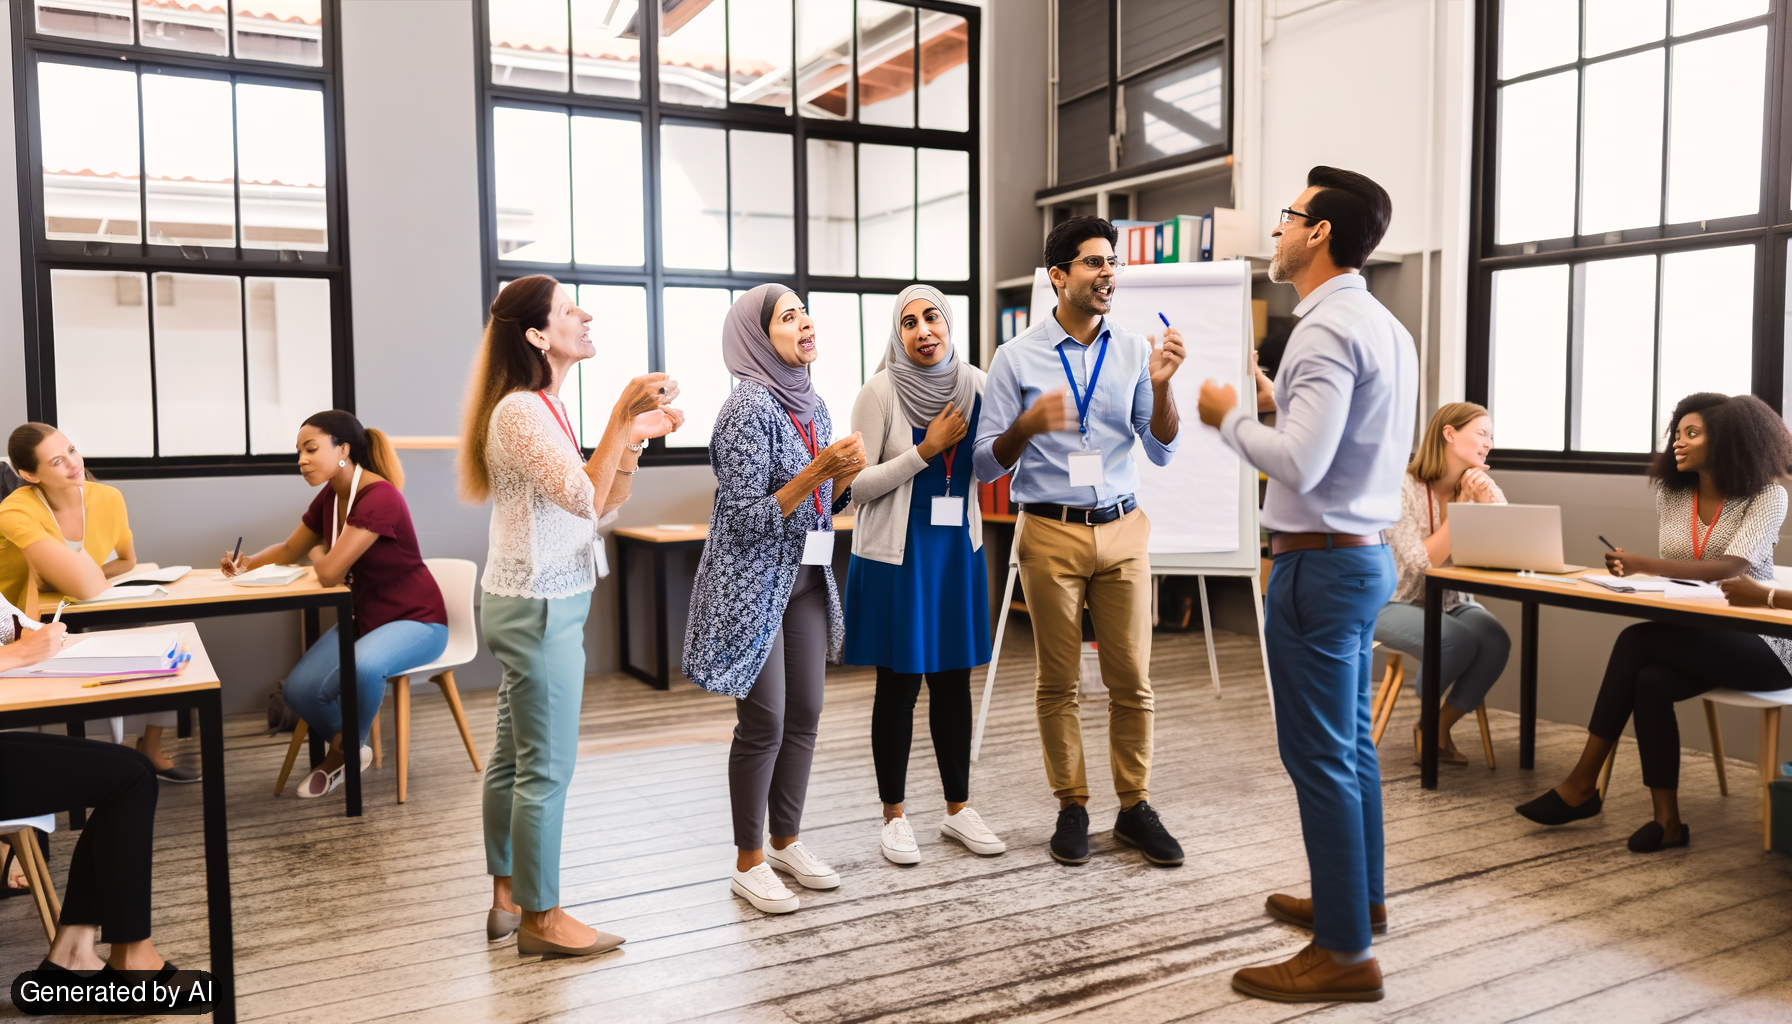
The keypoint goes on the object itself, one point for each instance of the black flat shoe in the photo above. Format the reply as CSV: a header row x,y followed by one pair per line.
x,y
1648,838
1551,809
1140,826
1070,843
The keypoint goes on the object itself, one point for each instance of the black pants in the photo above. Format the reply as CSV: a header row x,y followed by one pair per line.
x,y
109,872
948,718
1655,665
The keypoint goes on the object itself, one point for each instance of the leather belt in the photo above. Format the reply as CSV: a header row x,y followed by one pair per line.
x,y
1081,516
1282,543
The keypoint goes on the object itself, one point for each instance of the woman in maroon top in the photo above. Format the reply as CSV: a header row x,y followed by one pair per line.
x,y
364,526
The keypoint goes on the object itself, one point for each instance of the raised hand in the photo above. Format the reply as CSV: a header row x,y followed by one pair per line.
x,y
1215,401
943,431
1166,358
1476,486
844,456
655,423
645,394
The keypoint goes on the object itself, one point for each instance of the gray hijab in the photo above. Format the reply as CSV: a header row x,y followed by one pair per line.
x,y
747,350
923,391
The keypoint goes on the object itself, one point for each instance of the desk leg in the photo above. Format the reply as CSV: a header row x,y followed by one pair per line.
x,y
351,713
1430,686
1527,686
217,856
662,670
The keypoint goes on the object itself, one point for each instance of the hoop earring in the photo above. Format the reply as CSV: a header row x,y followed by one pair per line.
x,y
342,463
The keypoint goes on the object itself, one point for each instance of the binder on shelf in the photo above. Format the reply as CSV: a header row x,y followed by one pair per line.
x,y
1206,255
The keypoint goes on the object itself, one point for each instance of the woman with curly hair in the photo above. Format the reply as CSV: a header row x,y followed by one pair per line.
x,y
1721,507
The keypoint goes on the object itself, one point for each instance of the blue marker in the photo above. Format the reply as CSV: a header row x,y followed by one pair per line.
x,y
1164,318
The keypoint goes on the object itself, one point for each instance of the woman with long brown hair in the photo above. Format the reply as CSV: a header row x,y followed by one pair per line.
x,y
518,449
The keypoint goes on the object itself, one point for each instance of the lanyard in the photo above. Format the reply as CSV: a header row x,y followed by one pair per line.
x,y
1698,546
808,437
1084,399
560,420
354,486
1430,515
950,452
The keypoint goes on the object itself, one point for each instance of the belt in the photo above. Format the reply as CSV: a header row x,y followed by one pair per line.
x,y
1282,543
1081,516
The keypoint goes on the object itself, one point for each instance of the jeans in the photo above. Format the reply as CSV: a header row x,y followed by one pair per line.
x,y
315,683
1475,647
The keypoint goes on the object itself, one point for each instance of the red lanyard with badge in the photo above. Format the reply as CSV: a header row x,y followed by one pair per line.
x,y
818,546
599,562
1698,545
948,510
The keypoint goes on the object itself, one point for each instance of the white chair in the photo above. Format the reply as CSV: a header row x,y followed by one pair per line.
x,y
457,578
19,836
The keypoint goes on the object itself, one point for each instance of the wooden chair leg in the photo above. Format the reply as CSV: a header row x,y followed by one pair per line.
x,y
373,740
1382,708
17,841
43,874
1486,734
1717,746
1605,774
446,682
1769,757
292,754
401,728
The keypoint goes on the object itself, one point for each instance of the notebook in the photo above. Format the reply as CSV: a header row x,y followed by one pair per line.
x,y
99,654
269,576
1663,585
128,592
152,577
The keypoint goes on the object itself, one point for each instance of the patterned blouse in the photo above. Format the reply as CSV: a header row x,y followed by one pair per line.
x,y
1745,528
544,540
750,563
1421,513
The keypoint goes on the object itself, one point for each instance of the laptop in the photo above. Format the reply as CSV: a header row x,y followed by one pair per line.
x,y
1507,537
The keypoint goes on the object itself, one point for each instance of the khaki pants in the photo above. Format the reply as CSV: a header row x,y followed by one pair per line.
x,y
1062,565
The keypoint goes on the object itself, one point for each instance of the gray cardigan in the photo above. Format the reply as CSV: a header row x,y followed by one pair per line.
x,y
884,489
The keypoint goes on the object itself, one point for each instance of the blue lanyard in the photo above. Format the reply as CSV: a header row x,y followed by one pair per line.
x,y
1083,400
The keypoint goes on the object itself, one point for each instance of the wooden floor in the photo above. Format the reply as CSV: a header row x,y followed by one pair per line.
x,y
1493,919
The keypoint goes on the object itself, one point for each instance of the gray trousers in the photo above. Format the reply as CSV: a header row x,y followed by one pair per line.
x,y
774,731
1475,647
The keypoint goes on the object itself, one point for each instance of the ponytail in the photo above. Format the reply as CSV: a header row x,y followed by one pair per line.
x,y
382,458
367,448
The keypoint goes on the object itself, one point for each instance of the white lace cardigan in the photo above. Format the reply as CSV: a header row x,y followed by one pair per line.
x,y
544,540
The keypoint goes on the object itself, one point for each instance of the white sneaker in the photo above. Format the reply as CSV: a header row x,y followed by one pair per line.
x,y
321,783
968,828
761,887
899,842
796,861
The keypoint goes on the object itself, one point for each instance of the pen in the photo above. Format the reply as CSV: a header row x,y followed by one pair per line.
x,y
1607,543
237,552
1164,318
59,606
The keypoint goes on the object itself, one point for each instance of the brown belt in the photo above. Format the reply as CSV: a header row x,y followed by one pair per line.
x,y
1282,543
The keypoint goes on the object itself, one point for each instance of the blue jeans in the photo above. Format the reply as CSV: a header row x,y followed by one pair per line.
x,y
1320,628
1475,647
315,683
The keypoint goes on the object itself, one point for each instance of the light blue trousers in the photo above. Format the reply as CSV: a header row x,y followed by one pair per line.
x,y
1475,647
314,686
541,644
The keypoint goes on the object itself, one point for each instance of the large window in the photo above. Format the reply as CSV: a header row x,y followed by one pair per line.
x,y
184,252
1633,215
661,158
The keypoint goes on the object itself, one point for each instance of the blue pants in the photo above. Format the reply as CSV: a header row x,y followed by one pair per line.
x,y
1475,647
1320,627
315,683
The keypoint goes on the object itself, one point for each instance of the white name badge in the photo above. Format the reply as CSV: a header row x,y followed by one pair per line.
x,y
947,511
1085,469
818,548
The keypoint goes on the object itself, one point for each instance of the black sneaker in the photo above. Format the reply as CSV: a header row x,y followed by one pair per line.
x,y
1139,826
1070,843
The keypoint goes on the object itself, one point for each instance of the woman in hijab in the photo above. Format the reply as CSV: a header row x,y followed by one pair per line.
x,y
765,614
917,588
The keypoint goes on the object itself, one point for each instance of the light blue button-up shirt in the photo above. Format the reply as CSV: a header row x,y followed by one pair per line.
x,y
1120,410
1346,395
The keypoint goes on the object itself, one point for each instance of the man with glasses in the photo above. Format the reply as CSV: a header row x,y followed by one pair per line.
x,y
1344,396
1061,409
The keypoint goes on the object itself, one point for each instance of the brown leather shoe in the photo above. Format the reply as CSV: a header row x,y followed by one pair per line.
x,y
1312,977
1296,910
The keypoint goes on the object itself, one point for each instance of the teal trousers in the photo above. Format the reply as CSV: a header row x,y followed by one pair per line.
x,y
541,644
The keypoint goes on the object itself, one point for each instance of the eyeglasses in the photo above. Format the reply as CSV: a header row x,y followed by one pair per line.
x,y
1095,263
1287,213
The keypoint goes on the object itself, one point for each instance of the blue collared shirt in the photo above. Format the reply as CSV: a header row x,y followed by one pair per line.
x,y
1119,411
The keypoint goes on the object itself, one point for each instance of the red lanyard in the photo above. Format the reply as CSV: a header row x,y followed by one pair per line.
x,y
1698,546
808,437
560,420
1430,516
949,453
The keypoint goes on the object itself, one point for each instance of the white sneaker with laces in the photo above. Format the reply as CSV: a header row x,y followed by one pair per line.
x,y
899,844
968,828
760,886
796,861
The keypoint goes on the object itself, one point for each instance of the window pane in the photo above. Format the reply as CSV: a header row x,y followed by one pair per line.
x,y
288,31
1693,15
943,247
1529,355
529,43
1175,111
874,331
759,52
106,20
1153,31
289,358
693,53
1082,46
192,25
833,232
280,150
187,156
1083,138
1714,149
621,354
1537,34
763,202
886,211
886,63
693,197
534,214
838,370
100,320
1706,345
88,120
1536,186
199,365
1621,156
1617,356
1620,24
606,192
945,72
604,63
693,318
824,58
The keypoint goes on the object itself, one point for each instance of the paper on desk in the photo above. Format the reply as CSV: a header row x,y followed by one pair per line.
x,y
1665,586
127,593
269,576
141,577
1693,589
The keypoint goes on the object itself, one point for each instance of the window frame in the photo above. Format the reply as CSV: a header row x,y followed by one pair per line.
x,y
1769,227
41,255
651,113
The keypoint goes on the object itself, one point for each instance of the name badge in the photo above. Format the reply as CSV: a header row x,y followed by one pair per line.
x,y
1085,469
947,510
818,548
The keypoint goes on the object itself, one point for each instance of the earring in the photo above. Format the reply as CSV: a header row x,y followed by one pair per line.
x,y
342,463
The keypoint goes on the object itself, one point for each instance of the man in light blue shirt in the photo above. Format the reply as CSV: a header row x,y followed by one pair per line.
x,y
1062,409
1345,398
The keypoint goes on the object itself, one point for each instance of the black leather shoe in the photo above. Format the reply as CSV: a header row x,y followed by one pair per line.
x,y
1551,809
1070,843
1648,838
1139,826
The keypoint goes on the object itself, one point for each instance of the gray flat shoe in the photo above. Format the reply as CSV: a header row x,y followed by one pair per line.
x,y
500,926
529,944
176,773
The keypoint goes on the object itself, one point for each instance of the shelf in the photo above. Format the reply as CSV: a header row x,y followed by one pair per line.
x,y
1219,165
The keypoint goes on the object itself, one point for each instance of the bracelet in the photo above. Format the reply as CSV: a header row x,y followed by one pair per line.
x,y
1770,593
636,448
625,472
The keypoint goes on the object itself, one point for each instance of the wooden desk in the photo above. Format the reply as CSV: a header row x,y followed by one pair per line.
x,y
33,702
1531,593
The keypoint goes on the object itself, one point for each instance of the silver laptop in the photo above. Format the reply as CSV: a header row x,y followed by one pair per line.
x,y
1507,537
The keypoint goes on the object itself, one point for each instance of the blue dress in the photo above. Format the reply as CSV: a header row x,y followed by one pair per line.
x,y
931,613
